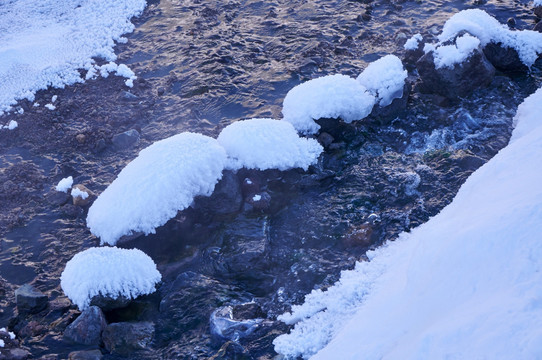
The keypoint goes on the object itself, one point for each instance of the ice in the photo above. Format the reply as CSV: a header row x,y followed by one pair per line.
x,y
464,285
413,42
65,184
150,190
267,144
108,271
44,43
225,326
384,78
334,96
449,55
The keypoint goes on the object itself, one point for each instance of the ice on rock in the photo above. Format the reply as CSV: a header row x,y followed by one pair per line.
x,y
150,190
487,29
45,43
110,272
267,144
384,78
333,96
65,184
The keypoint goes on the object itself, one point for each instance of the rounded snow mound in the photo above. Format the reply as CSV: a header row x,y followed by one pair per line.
x,y
267,144
162,180
385,79
333,96
110,272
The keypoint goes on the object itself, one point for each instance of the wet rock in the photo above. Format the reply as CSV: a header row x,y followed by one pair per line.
x,y
123,338
226,197
87,328
57,198
71,211
260,202
30,300
78,200
160,91
126,95
85,355
224,326
385,114
107,303
325,139
33,328
248,311
475,72
362,235
538,11
412,56
232,351
15,354
503,58
250,186
126,139
511,22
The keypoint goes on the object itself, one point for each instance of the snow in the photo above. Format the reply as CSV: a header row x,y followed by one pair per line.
x,y
108,271
333,96
76,192
44,43
256,197
11,334
384,78
12,125
480,24
50,106
65,184
537,2
413,42
53,99
267,144
449,55
465,285
2,344
151,189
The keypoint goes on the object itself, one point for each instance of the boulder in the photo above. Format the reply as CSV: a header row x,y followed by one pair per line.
x,y
385,114
87,328
473,73
81,200
503,58
538,26
30,300
125,337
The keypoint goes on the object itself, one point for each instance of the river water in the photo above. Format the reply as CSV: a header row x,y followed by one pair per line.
x,y
204,65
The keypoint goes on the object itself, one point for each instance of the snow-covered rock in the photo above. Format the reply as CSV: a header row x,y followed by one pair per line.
x,y
334,96
385,79
151,189
65,184
413,42
267,144
449,55
108,272
466,284
45,43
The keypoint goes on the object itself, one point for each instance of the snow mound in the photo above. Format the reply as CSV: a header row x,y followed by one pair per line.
x,y
108,271
151,189
413,42
65,184
384,78
449,55
477,22
45,42
333,96
464,285
267,144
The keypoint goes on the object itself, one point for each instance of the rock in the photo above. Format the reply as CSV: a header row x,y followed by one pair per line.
x,y
107,303
503,58
129,96
123,338
232,351
126,139
412,56
250,186
511,22
87,328
78,200
15,354
33,328
57,198
261,201
85,355
160,91
81,138
249,310
226,197
475,72
325,139
224,326
538,26
538,11
385,114
30,300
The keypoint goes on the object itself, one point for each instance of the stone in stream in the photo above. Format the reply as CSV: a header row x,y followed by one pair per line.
x,y
504,58
226,197
126,139
85,355
30,300
384,114
126,337
78,195
87,328
538,11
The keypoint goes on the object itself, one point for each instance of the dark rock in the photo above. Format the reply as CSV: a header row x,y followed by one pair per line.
x,y
325,139
538,26
87,328
412,56
511,22
385,114
78,200
81,138
15,354
261,201
248,311
30,300
459,81
85,355
58,198
71,211
124,338
232,351
160,91
129,96
100,145
126,139
107,303
503,58
250,186
226,197
33,328
538,11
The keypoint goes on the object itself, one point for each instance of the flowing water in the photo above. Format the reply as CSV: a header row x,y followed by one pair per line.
x,y
204,65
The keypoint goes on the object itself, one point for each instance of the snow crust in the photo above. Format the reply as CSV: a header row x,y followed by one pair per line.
x,y
333,96
413,42
65,184
384,78
109,271
45,42
267,144
150,190
480,24
465,285
449,55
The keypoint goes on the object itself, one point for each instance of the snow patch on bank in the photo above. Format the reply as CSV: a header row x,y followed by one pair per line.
x,y
466,284
44,43
150,190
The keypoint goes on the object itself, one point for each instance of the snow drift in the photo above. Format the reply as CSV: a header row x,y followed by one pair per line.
x,y
465,285
267,144
163,179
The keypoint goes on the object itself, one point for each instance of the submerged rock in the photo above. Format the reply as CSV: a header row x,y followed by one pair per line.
x,y
87,328
30,300
124,338
85,355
